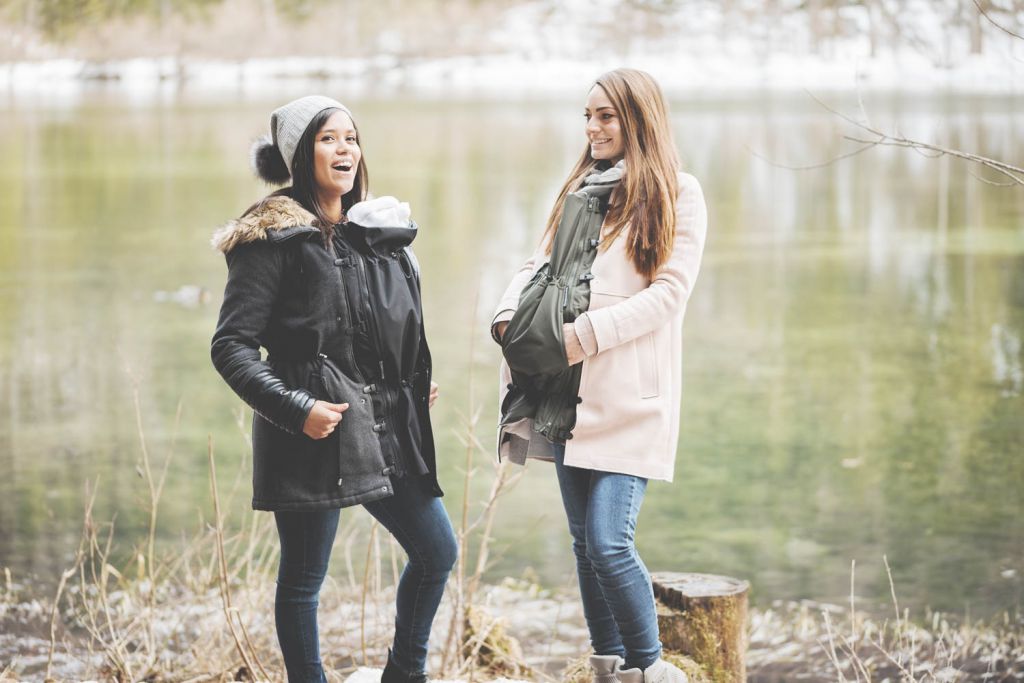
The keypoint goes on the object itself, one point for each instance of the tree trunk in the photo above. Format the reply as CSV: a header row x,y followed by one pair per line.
x,y
873,20
974,25
704,616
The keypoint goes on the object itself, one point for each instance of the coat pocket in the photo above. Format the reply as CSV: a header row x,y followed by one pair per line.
x,y
647,366
355,440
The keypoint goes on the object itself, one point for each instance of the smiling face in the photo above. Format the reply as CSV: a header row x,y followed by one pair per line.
x,y
336,157
603,127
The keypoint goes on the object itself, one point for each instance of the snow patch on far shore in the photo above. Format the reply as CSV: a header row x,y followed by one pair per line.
x,y
501,75
537,47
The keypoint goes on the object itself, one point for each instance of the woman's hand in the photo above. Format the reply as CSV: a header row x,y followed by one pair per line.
x,y
499,329
573,349
433,395
322,419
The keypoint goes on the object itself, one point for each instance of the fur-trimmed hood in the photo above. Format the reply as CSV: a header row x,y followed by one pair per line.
x,y
383,219
273,213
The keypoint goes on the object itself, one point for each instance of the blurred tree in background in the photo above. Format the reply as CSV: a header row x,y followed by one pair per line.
x,y
944,31
59,19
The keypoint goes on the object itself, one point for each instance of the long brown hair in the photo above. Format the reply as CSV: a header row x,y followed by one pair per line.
x,y
647,201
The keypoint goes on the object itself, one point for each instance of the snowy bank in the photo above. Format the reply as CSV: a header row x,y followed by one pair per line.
x,y
502,75
550,46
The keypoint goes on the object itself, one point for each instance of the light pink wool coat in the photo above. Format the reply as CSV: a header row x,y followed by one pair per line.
x,y
632,334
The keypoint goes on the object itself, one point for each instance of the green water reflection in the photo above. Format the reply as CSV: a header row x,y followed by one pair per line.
x,y
853,361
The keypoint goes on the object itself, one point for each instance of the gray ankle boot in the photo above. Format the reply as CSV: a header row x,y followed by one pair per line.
x,y
631,676
605,668
659,672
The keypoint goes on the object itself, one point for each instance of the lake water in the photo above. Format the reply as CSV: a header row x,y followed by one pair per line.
x,y
853,349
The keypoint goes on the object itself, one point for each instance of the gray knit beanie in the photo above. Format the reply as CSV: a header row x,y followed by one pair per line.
x,y
287,124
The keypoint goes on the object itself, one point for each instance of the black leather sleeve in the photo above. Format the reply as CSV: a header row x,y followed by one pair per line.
x,y
254,277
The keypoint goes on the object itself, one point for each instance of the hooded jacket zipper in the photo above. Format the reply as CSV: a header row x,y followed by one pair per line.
x,y
339,261
579,244
576,256
371,321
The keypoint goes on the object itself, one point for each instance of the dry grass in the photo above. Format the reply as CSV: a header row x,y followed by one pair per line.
x,y
201,609
821,642
206,612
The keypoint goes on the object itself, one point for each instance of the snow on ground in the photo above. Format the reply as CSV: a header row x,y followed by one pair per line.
x,y
365,675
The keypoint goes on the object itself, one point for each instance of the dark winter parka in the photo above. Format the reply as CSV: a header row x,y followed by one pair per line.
x,y
340,323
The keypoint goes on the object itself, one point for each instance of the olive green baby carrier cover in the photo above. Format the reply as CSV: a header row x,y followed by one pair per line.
x,y
542,397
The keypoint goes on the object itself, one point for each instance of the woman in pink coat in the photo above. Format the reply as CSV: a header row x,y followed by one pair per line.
x,y
608,416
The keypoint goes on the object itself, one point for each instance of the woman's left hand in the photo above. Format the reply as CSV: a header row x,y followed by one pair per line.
x,y
433,395
573,349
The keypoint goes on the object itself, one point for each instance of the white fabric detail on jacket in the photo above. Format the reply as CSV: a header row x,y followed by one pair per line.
x,y
381,212
385,212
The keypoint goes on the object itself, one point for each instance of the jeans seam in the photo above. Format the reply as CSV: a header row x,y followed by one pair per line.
x,y
309,645
630,539
419,584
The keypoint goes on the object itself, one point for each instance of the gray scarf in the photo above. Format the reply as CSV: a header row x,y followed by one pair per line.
x,y
601,183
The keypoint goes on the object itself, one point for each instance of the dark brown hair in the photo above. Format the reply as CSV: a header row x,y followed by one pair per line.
x,y
303,187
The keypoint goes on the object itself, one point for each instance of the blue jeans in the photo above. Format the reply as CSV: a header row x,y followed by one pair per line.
x,y
421,526
618,601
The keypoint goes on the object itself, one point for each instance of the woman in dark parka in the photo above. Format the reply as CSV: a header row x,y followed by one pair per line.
x,y
326,282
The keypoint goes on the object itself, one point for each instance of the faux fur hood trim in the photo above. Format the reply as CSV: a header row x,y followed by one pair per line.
x,y
273,213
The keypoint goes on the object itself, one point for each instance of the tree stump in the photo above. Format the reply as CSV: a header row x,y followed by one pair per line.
x,y
704,616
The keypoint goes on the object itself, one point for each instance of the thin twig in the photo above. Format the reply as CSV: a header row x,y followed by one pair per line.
x,y
1009,170
488,514
811,167
897,139
995,23
831,650
65,575
392,545
155,492
460,605
251,662
892,591
989,182
853,608
366,581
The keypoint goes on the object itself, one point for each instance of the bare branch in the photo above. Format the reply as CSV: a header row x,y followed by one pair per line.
x,y
1014,173
866,124
249,657
989,182
810,167
996,23
927,154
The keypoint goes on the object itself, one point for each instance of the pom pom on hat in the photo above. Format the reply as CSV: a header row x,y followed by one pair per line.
x,y
268,163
